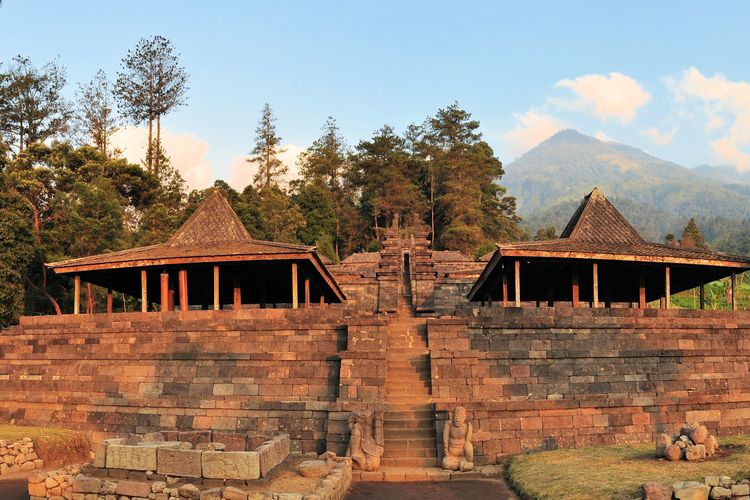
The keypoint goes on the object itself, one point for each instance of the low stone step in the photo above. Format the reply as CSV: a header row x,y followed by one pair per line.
x,y
407,424
396,385
426,431
409,406
397,452
409,462
426,443
401,398
409,391
409,414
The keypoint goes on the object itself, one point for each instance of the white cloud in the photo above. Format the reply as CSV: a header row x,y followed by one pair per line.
x,y
614,96
186,152
534,127
604,137
243,171
727,110
659,137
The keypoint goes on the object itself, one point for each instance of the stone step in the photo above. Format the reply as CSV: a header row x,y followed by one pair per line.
x,y
416,365
398,383
415,387
407,424
409,462
409,414
411,443
412,398
393,452
404,355
409,406
427,431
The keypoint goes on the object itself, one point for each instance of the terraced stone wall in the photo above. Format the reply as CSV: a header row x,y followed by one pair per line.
x,y
535,378
256,372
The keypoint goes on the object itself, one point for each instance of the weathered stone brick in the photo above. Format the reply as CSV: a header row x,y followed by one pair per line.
x,y
177,462
230,465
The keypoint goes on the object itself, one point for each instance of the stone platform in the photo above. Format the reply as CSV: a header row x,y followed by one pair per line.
x,y
398,474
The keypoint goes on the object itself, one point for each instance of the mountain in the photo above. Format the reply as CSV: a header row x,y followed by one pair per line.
x,y
656,196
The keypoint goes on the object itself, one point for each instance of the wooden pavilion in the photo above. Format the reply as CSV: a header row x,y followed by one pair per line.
x,y
211,261
599,258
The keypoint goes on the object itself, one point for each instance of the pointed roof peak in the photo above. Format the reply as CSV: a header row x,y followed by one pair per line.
x,y
598,221
213,222
596,193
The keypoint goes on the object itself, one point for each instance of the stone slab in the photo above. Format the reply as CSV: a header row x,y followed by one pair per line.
x,y
230,464
177,462
140,457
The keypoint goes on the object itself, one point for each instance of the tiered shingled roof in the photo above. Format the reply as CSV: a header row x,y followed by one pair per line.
x,y
213,233
598,231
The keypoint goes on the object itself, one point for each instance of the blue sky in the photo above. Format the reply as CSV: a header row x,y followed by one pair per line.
x,y
668,77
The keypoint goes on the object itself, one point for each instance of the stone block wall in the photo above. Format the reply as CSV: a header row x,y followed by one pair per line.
x,y
545,378
363,364
256,372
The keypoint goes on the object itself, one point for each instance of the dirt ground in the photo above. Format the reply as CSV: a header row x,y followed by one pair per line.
x,y
445,490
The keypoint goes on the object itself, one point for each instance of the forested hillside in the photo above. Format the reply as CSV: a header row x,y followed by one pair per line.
x,y
66,191
658,197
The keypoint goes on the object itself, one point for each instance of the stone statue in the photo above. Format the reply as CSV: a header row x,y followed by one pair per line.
x,y
459,452
366,439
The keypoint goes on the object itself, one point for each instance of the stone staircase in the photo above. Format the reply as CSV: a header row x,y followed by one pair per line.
x,y
409,420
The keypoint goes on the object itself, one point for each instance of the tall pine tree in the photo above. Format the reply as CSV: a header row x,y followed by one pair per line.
x,y
692,236
265,153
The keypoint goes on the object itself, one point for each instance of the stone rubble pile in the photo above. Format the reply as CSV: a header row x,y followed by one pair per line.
x,y
712,487
16,456
692,443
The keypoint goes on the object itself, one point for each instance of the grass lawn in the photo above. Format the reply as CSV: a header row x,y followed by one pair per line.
x,y
616,471
55,446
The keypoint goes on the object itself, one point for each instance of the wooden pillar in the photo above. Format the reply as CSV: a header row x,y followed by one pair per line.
x,y
550,294
217,305
642,292
595,275
109,301
667,292
734,292
307,292
183,283
164,289
505,289
702,296
517,277
77,294
322,299
144,291
295,292
574,281
237,292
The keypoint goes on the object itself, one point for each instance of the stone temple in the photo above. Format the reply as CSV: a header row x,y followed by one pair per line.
x,y
545,344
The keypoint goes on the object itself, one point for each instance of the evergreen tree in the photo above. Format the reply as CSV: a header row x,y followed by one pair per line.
x,y
16,254
95,113
319,210
326,163
470,208
692,236
32,107
545,233
265,153
386,178
150,84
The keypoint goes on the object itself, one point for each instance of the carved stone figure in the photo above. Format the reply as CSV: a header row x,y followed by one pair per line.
x,y
459,452
365,439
